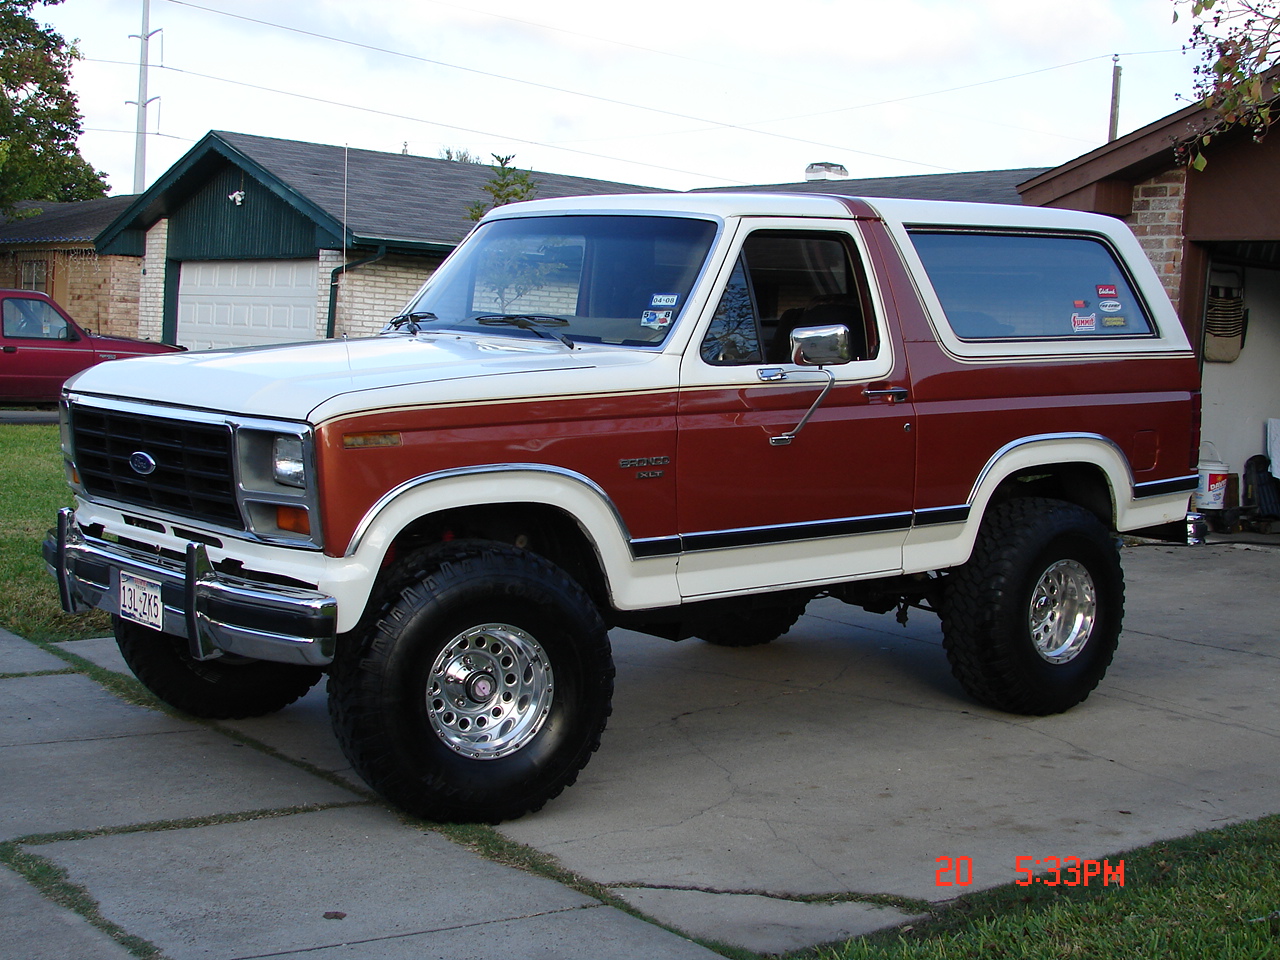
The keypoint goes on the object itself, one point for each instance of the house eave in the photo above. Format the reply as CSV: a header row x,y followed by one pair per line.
x,y
1128,159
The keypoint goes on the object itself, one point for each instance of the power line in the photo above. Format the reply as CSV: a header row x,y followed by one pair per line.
x,y
546,86
401,116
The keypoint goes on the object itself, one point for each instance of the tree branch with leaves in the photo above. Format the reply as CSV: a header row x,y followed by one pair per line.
x,y
1238,42
507,185
39,116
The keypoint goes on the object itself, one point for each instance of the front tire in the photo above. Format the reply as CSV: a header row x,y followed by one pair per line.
x,y
1031,622
480,688
226,688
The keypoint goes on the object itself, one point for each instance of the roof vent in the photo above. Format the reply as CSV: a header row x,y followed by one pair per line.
x,y
826,171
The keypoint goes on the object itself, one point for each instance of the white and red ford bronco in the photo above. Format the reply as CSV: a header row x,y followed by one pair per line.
x,y
687,415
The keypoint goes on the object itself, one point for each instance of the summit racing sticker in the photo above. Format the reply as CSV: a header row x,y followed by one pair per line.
x,y
1085,324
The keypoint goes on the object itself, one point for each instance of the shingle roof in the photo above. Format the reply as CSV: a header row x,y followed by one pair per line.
x,y
391,196
71,222
379,197
982,186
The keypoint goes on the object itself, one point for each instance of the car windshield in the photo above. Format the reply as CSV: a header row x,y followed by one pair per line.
x,y
597,279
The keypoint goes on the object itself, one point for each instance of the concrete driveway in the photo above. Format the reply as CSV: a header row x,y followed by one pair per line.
x,y
735,787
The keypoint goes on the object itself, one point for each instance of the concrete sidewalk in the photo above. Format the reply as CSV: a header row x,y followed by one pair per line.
x,y
203,846
758,797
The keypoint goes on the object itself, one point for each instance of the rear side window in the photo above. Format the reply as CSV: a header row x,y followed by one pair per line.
x,y
1023,287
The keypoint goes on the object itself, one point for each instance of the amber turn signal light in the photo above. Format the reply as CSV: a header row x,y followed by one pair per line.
x,y
293,519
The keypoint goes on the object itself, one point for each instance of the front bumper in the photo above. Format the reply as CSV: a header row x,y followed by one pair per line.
x,y
215,612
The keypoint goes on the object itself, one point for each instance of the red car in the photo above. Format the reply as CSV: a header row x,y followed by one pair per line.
x,y
40,347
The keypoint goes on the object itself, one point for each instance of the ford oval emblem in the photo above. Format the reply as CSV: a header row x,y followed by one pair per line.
x,y
142,463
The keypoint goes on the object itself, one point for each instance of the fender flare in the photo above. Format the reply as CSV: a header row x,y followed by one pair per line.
x,y
1133,505
632,582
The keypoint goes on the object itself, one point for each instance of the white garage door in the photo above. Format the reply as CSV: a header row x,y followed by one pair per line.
x,y
239,303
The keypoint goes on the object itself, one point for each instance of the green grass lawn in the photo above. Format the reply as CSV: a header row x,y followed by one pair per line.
x,y
33,488
1214,895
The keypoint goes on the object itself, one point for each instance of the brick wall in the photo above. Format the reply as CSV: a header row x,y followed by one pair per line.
x,y
1158,206
100,293
371,295
151,285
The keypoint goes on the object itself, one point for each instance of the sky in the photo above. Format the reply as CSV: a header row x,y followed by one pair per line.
x,y
669,93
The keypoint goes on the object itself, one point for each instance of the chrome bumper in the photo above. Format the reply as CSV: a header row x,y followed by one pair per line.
x,y
216,613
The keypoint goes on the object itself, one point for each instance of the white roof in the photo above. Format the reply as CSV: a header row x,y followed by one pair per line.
x,y
723,205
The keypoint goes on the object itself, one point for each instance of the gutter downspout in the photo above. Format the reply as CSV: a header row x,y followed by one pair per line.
x,y
332,322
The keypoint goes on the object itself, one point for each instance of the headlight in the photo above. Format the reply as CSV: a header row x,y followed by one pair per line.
x,y
287,464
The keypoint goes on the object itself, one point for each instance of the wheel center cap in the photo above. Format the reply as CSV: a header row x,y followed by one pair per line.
x,y
481,687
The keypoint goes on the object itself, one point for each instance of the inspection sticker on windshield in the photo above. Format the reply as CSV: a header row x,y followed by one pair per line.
x,y
656,319
140,600
664,300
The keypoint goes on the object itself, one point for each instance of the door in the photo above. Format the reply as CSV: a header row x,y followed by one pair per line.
x,y
834,502
240,303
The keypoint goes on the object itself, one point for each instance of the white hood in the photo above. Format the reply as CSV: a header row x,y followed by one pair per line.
x,y
291,381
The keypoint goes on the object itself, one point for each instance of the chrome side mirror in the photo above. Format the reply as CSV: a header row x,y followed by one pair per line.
x,y
820,346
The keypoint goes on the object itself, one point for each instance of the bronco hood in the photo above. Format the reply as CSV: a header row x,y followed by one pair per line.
x,y
291,381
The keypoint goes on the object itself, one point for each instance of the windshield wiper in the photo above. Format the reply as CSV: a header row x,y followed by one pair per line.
x,y
409,320
529,321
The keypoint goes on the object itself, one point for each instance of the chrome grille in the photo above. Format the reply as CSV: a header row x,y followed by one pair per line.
x,y
193,475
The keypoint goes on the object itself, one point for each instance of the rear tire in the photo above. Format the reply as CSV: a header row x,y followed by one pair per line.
x,y
1031,622
226,688
479,687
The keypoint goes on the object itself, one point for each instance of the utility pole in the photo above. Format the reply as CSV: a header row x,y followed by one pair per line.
x,y
140,141
1115,98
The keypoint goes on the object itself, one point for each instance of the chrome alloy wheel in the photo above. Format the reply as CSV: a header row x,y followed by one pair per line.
x,y
1064,607
490,691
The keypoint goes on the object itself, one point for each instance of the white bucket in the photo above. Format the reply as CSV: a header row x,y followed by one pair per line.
x,y
1211,491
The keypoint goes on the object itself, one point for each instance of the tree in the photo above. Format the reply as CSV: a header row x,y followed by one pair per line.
x,y
1237,42
39,115
458,155
507,185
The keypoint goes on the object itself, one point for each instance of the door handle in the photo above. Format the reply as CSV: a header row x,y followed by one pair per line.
x,y
892,394
9,349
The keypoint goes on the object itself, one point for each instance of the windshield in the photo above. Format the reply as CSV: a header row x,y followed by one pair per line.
x,y
597,279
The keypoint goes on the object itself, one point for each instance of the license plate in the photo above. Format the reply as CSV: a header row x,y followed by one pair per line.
x,y
140,601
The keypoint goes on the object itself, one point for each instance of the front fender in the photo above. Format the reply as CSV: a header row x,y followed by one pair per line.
x,y
633,583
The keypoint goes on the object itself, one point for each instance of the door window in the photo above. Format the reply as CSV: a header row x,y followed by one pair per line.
x,y
784,280
33,320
